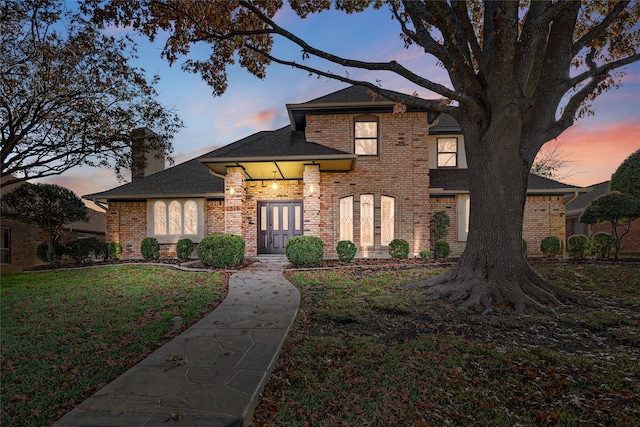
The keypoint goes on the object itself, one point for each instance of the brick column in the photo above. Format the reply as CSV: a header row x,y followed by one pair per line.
x,y
311,205
235,196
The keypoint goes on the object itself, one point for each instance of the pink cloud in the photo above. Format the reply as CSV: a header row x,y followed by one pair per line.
x,y
596,152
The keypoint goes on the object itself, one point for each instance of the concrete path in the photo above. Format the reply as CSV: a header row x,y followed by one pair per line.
x,y
211,374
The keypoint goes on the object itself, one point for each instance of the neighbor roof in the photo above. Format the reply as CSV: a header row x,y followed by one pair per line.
x,y
453,181
581,202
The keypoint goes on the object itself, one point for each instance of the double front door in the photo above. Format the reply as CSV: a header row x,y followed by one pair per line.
x,y
277,223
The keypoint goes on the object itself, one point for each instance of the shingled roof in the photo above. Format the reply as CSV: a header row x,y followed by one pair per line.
x,y
457,181
581,202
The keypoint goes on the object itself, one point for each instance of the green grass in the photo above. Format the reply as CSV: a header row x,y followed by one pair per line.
x,y
67,333
366,352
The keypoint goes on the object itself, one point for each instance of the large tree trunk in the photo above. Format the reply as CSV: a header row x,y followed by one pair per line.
x,y
493,268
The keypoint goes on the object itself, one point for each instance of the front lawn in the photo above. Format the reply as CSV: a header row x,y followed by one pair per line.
x,y
366,352
67,333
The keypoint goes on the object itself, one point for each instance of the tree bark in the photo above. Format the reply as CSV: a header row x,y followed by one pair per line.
x,y
493,269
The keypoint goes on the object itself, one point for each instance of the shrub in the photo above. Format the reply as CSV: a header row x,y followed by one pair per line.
x,y
578,245
346,250
83,251
114,251
221,250
304,251
440,223
150,248
524,246
425,253
442,249
184,248
600,243
551,246
399,248
43,248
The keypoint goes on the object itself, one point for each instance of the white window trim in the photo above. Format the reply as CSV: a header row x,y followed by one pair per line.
x,y
438,152
366,119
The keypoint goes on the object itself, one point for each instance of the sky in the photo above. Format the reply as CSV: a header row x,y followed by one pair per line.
x,y
593,147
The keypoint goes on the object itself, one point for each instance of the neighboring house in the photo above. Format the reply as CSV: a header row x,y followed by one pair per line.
x,y
346,168
629,244
18,240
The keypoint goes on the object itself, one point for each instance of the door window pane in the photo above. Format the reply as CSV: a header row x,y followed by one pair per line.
x,y
285,218
276,219
263,218
297,220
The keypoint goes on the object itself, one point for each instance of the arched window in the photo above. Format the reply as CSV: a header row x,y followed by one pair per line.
x,y
160,218
346,218
190,217
387,219
366,219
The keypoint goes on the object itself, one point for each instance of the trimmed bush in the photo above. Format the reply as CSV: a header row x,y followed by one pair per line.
x,y
86,250
425,253
221,250
43,248
441,249
600,243
346,250
578,245
114,251
304,251
551,246
184,248
150,248
399,248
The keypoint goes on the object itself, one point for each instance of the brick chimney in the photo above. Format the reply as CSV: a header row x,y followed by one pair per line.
x,y
147,153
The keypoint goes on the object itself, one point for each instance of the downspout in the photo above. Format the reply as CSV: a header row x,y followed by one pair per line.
x,y
575,196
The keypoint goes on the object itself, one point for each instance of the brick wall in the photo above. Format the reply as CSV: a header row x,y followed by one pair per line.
x,y
400,171
127,224
543,216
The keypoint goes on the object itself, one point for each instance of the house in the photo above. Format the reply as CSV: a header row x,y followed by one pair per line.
x,y
18,240
629,244
346,167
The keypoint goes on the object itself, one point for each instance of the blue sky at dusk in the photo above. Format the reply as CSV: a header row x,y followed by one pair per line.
x,y
594,146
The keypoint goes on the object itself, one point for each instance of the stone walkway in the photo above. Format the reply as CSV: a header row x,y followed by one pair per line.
x,y
212,374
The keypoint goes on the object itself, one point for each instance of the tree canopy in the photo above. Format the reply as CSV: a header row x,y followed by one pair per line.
x,y
618,208
626,179
520,73
68,95
48,206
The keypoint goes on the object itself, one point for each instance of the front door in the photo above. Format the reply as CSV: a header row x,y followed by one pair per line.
x,y
279,221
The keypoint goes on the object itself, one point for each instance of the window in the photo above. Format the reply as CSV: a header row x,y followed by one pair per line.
x,y
5,245
366,220
463,217
366,136
346,218
170,220
387,219
447,152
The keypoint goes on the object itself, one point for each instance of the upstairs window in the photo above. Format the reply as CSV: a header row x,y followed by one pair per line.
x,y
447,152
366,136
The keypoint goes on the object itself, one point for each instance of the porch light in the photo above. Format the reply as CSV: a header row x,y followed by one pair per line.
x,y
232,191
311,189
274,184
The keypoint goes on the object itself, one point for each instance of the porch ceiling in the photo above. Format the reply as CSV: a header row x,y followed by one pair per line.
x,y
290,168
